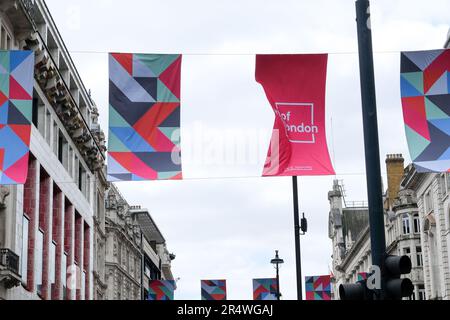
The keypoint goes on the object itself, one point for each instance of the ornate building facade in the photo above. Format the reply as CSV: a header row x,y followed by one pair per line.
x,y
67,233
349,231
123,249
46,239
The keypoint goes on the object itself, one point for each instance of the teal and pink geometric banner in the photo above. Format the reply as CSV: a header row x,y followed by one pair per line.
x,y
16,96
161,290
318,287
265,289
363,276
214,290
144,117
425,87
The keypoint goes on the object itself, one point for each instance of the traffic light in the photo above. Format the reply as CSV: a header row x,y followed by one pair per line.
x,y
355,291
396,287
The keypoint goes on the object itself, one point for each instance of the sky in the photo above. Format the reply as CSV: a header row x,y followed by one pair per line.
x,y
228,227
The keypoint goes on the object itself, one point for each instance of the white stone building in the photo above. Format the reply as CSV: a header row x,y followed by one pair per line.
x,y
349,231
47,225
123,258
432,192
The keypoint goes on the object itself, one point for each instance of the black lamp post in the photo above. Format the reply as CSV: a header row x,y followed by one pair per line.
x,y
276,262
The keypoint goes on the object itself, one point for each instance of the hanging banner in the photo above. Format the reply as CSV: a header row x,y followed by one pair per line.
x,y
295,87
144,117
214,290
161,290
318,287
425,87
16,104
363,276
265,289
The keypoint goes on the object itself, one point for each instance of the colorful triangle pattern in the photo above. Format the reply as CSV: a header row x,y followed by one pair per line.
x,y
144,117
425,90
214,290
16,92
318,287
160,290
265,289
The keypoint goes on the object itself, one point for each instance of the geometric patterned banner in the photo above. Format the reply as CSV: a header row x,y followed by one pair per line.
x,y
214,289
161,290
265,289
425,87
16,96
363,276
318,288
144,117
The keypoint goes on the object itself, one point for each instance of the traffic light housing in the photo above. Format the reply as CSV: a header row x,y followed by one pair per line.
x,y
396,287
355,291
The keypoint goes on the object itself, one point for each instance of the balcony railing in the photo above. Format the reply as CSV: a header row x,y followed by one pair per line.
x,y
9,260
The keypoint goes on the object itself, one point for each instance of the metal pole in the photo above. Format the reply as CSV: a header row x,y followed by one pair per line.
x,y
372,152
278,283
297,239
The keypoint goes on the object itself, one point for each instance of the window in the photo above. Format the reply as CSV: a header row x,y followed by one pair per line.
x,y
60,147
64,275
55,139
81,178
407,252
5,39
421,291
445,184
419,256
24,255
428,202
38,260
416,223
48,126
41,117
406,224
70,162
35,111
119,253
52,263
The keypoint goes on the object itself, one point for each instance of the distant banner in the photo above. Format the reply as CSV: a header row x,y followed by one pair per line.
x,y
144,117
16,103
265,289
295,87
318,287
363,276
161,290
425,87
214,289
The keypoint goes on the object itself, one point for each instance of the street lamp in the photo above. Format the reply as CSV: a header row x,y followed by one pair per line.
x,y
276,262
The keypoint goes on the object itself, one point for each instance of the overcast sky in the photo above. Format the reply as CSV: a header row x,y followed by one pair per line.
x,y
229,228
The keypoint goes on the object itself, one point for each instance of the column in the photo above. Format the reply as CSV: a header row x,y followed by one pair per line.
x,y
30,208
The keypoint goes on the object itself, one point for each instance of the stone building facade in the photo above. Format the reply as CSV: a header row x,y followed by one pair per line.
x,y
123,249
432,192
67,233
349,231
46,239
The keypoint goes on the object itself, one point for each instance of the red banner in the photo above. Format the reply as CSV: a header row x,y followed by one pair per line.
x,y
295,86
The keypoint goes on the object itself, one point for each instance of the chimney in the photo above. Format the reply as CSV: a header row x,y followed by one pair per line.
x,y
395,170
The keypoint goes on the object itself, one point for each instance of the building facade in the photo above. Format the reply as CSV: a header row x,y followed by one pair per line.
x,y
349,231
156,259
47,224
432,192
67,233
123,257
